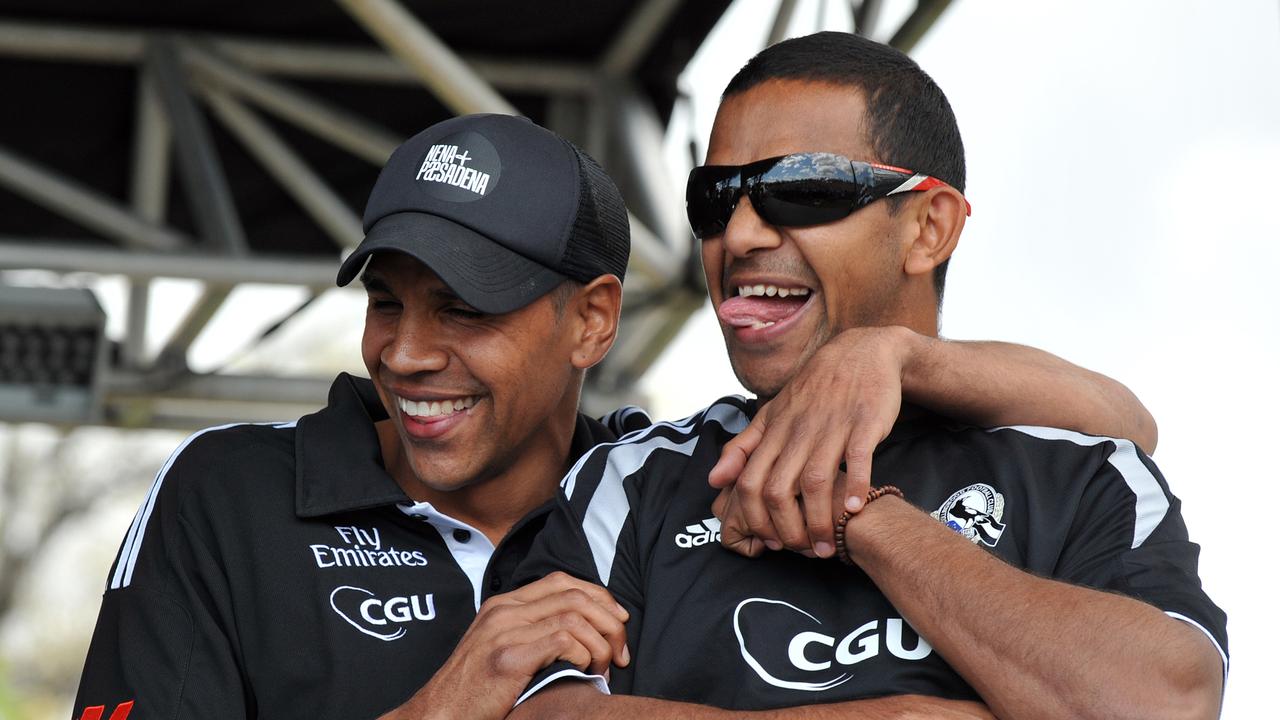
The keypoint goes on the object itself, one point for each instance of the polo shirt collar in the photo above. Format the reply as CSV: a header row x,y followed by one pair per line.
x,y
338,458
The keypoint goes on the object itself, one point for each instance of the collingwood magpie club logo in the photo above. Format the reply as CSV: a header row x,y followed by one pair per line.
x,y
385,618
459,168
699,534
975,512
790,648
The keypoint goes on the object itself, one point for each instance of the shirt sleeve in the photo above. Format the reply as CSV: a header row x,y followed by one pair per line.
x,y
591,535
1129,537
626,419
163,643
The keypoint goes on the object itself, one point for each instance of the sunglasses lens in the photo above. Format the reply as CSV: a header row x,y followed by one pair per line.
x,y
710,197
809,189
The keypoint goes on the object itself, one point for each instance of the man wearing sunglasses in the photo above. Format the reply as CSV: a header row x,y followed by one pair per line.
x,y
1046,573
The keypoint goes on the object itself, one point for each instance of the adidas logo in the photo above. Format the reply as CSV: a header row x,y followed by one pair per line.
x,y
707,531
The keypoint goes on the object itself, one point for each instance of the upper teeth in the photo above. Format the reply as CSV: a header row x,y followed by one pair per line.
x,y
770,290
431,408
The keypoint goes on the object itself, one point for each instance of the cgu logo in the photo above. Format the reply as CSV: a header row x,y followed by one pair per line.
x,y
379,618
814,651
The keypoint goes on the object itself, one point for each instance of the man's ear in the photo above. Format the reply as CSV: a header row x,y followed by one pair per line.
x,y
938,218
596,308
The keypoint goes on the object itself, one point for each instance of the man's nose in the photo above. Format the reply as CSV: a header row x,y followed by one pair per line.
x,y
418,346
747,232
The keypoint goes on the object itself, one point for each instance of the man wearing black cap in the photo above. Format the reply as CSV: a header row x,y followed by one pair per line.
x,y
328,567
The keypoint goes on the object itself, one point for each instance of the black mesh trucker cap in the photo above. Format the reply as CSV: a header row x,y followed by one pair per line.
x,y
503,210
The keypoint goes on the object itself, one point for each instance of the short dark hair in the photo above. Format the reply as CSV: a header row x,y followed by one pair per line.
x,y
563,293
909,121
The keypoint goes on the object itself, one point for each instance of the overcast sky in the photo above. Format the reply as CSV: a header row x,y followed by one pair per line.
x,y
1122,162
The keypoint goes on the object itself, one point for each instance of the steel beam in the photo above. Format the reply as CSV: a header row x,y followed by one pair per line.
x,y
61,257
195,401
781,21
359,136
639,133
87,207
203,181
918,23
644,334
221,388
44,41
148,193
205,185
867,16
315,196
636,37
445,74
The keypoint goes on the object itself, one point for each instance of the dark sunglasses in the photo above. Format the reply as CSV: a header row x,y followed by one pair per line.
x,y
795,190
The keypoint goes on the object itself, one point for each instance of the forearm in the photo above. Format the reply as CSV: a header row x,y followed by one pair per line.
x,y
1032,647
579,702
993,383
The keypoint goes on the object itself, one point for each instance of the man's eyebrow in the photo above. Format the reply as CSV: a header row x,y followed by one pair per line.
x,y
373,283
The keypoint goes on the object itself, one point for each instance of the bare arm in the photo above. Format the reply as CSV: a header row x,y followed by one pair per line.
x,y
1032,647
845,400
994,383
576,700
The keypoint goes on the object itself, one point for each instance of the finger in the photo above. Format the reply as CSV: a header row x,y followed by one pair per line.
x,y
787,443
733,458
721,503
592,627
524,651
857,459
559,582
733,529
794,469
757,489
583,634
818,492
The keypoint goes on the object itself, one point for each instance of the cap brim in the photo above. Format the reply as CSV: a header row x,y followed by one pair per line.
x,y
486,275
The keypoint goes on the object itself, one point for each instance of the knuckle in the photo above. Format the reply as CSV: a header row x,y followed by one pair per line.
x,y
814,479
562,639
777,497
504,660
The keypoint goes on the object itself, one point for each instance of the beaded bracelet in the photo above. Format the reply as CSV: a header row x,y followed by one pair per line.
x,y
842,552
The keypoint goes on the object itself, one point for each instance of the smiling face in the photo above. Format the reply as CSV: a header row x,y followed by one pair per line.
x,y
781,293
471,397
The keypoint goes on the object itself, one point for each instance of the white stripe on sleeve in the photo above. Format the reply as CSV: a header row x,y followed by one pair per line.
x,y
607,511
128,558
1151,505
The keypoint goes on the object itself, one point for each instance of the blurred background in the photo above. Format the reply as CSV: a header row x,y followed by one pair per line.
x,y
178,180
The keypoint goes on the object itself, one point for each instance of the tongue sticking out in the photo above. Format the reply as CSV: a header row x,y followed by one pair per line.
x,y
756,310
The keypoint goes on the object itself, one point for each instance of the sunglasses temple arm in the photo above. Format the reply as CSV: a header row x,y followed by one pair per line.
x,y
921,183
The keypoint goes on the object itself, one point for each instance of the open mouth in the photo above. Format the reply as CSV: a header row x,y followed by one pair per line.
x,y
761,305
435,409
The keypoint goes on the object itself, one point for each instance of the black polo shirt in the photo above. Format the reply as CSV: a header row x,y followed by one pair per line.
x,y
709,626
278,571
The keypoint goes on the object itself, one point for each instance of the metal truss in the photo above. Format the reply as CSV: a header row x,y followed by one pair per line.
x,y
186,81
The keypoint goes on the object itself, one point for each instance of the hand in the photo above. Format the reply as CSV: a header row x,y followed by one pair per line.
x,y
514,636
782,468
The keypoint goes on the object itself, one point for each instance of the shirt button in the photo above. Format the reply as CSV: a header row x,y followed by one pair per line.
x,y
495,584
462,535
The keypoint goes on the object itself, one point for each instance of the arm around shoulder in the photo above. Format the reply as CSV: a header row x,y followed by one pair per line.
x,y
995,383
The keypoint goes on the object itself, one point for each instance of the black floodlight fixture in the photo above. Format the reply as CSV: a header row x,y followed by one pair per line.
x,y
52,354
